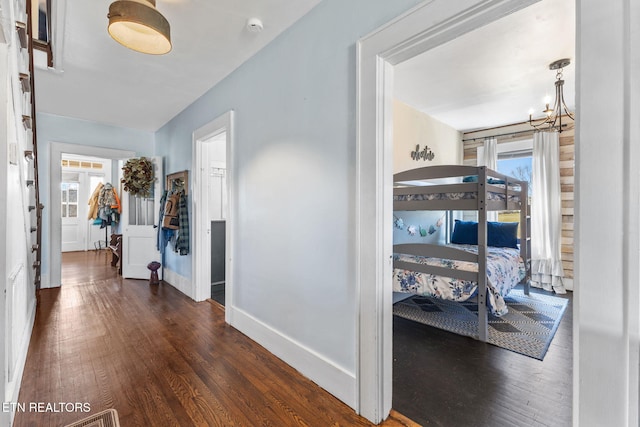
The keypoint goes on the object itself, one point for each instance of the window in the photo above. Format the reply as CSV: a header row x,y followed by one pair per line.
x,y
79,164
69,199
516,164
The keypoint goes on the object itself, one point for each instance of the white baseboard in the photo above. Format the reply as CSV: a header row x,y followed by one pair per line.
x,y
44,282
179,282
13,388
329,376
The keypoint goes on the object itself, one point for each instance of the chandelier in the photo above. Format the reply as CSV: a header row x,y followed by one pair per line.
x,y
553,115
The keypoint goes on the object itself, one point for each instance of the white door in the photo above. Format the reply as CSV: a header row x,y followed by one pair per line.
x,y
73,236
139,236
212,162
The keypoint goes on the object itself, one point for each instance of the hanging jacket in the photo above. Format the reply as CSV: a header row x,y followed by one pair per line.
x,y
116,206
93,202
164,235
182,238
109,198
170,215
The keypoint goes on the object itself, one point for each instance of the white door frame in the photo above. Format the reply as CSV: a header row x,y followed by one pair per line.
x,y
55,175
426,26
201,263
83,208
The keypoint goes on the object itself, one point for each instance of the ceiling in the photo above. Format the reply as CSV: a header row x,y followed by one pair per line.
x,y
489,77
99,80
496,74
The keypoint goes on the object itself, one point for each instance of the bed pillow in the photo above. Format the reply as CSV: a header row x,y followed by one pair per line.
x,y
502,234
474,178
499,234
465,233
495,181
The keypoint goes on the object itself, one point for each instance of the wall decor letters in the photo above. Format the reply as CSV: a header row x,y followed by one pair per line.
x,y
425,154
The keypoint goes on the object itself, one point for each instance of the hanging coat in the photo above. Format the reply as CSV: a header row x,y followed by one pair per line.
x,y
182,237
93,202
170,218
108,197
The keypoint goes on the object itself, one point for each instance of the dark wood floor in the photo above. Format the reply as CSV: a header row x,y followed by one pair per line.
x,y
159,359
443,379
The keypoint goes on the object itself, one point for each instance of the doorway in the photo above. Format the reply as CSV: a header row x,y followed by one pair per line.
x,y
80,177
215,174
57,150
437,106
213,208
427,26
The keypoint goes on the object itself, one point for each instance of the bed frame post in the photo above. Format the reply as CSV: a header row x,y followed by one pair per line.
x,y
482,254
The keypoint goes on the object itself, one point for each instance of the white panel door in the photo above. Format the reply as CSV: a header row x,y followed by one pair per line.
x,y
139,236
73,236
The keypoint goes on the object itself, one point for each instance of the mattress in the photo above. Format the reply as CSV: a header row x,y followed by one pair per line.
x,y
505,270
492,196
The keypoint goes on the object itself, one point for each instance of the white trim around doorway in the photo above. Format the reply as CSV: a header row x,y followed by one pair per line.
x,y
426,26
55,175
201,264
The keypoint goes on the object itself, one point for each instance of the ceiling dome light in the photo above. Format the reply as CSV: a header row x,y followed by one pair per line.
x,y
138,25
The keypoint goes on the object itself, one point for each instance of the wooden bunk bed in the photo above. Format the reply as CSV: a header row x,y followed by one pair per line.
x,y
487,191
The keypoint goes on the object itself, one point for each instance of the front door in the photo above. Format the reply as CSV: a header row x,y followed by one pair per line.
x,y
139,234
73,238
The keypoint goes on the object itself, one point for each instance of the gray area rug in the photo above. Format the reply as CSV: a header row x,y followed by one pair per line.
x,y
527,329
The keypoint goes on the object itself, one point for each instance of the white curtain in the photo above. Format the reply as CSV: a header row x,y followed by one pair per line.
x,y
546,214
490,155
490,160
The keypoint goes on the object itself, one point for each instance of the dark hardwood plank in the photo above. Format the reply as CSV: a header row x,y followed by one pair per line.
x,y
444,379
159,359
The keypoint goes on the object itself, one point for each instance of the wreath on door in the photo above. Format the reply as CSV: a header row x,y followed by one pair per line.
x,y
138,176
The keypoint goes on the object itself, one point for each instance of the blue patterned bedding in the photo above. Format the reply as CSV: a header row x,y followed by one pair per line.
x,y
505,270
492,196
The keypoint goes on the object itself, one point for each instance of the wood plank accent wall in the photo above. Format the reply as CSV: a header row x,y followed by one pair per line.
x,y
567,170
567,158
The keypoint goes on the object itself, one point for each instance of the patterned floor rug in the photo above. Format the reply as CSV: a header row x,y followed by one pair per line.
x,y
527,329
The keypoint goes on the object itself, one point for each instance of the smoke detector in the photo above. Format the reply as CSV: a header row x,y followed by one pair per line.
x,y
254,25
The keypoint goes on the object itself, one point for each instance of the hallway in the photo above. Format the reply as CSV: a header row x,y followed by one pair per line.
x,y
159,359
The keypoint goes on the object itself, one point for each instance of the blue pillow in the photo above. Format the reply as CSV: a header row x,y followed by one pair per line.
x,y
499,234
465,233
502,234
495,181
474,178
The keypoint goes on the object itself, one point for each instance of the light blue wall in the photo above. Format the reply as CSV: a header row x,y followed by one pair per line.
x,y
294,172
52,128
